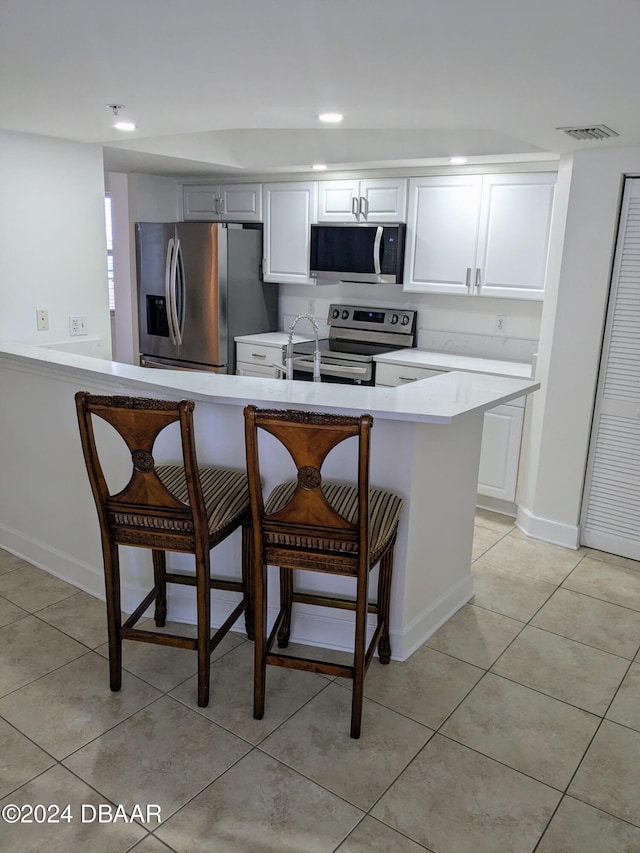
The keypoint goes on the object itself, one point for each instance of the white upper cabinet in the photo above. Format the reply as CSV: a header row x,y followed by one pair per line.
x,y
382,200
222,202
289,209
483,235
442,233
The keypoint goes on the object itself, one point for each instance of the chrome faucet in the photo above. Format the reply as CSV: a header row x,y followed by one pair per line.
x,y
316,352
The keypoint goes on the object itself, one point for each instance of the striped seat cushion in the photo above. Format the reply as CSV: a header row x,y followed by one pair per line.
x,y
384,514
226,493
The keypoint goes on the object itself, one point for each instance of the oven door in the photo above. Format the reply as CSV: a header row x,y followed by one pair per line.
x,y
335,372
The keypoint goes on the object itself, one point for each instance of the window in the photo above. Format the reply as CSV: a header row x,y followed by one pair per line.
x,y
109,230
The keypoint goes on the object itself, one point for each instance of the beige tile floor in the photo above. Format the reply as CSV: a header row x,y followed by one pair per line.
x,y
516,727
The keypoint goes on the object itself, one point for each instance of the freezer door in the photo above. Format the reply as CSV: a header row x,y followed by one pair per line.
x,y
154,242
201,298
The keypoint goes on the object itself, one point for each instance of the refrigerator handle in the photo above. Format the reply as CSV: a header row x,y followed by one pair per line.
x,y
172,310
179,294
168,272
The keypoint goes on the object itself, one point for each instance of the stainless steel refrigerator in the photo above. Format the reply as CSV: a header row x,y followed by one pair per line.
x,y
199,286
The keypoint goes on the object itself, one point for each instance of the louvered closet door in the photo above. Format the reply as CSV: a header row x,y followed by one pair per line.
x,y
611,508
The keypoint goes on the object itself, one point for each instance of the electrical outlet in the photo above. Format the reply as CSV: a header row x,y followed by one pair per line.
x,y
501,324
311,307
42,319
77,324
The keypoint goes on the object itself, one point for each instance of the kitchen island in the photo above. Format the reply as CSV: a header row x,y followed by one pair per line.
x,y
425,446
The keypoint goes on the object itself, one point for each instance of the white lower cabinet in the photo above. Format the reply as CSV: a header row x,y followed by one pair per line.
x,y
259,360
501,434
500,452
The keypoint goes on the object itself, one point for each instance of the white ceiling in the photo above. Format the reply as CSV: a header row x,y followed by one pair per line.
x,y
235,87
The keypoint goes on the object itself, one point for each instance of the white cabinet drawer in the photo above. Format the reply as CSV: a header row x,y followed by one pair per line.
x,y
251,353
265,371
398,374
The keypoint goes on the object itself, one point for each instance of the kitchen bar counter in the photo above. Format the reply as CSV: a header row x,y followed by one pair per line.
x,y
425,446
453,361
441,399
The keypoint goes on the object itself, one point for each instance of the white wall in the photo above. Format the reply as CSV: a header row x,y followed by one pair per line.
x,y
134,198
52,238
125,325
570,341
154,199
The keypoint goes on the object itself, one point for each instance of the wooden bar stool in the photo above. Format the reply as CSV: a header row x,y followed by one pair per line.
x,y
164,508
321,527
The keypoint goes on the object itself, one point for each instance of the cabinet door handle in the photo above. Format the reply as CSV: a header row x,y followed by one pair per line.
x,y
257,355
364,207
355,206
478,282
408,378
468,279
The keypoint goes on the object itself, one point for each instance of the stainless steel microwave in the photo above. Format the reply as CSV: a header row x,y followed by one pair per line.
x,y
363,251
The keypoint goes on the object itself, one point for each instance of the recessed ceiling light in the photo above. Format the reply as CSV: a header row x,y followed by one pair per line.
x,y
319,167
120,125
331,118
457,161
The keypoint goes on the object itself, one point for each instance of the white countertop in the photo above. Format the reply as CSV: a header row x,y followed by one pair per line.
x,y
452,361
440,399
270,339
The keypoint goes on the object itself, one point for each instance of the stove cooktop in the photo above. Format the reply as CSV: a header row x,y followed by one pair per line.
x,y
351,350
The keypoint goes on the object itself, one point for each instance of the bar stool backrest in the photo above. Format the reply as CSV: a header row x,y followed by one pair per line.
x,y
146,506
308,525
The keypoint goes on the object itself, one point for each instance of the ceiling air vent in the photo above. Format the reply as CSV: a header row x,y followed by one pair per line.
x,y
596,131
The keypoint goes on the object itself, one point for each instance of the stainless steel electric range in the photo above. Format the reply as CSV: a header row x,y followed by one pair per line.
x,y
356,335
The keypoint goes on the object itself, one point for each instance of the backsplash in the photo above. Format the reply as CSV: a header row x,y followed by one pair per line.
x,y
484,346
445,324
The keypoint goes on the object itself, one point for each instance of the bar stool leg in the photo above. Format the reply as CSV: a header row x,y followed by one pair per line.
x,y
203,587
260,642
160,573
114,613
359,654
286,601
384,605
247,561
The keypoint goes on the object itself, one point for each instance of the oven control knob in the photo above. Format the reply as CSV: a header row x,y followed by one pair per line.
x,y
345,314
394,319
335,313
405,320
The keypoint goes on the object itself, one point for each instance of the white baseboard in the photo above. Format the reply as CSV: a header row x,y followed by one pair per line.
x,y
547,529
418,631
311,625
86,577
497,505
